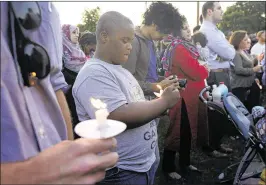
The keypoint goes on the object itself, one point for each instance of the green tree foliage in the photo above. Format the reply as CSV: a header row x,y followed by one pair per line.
x,y
89,20
249,16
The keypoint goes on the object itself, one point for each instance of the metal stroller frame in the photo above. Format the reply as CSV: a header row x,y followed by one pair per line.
x,y
234,109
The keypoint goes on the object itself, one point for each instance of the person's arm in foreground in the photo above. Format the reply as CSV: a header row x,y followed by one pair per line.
x,y
69,162
66,113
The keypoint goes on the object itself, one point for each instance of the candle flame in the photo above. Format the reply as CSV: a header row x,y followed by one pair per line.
x,y
161,91
159,87
98,104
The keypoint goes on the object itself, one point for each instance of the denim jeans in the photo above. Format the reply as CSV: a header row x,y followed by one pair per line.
x,y
117,176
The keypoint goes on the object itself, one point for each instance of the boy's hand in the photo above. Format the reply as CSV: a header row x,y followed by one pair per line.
x,y
171,95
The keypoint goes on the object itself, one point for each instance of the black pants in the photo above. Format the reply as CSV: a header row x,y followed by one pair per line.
x,y
217,129
250,99
185,146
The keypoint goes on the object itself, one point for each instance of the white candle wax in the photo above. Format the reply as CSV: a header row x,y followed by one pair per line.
x,y
101,117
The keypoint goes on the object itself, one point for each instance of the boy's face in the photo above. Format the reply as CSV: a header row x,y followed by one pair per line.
x,y
119,44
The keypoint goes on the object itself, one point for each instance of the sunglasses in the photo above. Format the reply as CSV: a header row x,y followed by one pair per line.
x,y
33,59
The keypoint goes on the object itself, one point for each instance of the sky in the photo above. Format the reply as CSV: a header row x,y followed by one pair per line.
x,y
71,12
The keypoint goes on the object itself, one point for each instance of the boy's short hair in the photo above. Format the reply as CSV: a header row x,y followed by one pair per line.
x,y
110,21
200,38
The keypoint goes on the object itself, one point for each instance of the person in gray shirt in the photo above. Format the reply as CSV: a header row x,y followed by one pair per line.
x,y
221,52
104,78
243,75
143,59
31,119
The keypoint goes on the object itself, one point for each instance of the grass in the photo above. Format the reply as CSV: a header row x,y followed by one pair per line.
x,y
211,167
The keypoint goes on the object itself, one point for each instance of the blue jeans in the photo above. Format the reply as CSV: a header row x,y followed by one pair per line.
x,y
117,176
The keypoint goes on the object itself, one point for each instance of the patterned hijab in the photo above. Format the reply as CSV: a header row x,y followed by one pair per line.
x,y
76,53
167,57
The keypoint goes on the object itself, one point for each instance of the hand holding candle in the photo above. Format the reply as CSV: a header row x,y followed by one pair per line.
x,y
101,127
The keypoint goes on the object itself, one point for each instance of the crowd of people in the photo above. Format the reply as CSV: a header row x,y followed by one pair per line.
x,y
49,73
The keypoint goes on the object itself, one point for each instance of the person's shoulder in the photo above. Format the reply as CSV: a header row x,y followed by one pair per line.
x,y
238,55
181,48
93,65
205,27
92,69
137,41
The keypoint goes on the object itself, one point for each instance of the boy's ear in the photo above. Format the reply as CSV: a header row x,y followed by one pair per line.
x,y
104,37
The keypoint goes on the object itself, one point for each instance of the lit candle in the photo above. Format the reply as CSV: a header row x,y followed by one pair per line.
x,y
258,84
100,127
161,91
101,114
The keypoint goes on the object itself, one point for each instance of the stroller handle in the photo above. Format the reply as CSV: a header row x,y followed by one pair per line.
x,y
204,90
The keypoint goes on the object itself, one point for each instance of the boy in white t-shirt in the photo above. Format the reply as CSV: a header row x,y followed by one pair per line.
x,y
104,78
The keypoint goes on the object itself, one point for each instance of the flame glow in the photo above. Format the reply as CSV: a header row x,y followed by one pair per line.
x,y
161,91
98,104
159,87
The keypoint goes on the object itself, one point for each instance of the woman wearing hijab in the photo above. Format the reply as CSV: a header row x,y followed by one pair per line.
x,y
181,59
73,57
73,60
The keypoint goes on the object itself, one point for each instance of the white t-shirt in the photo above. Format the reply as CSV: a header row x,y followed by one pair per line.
x,y
116,86
257,49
